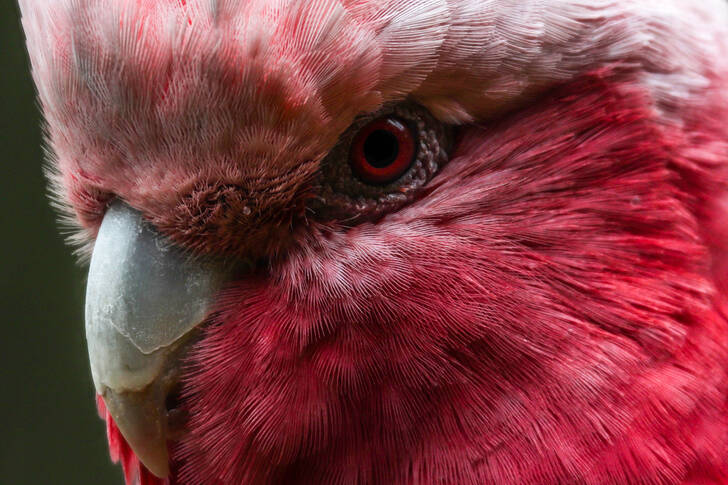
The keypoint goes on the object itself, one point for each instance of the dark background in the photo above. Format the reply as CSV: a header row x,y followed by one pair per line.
x,y
49,430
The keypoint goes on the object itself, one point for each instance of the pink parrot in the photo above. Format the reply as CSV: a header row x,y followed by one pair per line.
x,y
398,241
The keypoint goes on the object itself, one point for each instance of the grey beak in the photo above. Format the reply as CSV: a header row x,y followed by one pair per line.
x,y
144,298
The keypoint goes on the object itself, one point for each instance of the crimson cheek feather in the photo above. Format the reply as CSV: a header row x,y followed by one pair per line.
x,y
547,303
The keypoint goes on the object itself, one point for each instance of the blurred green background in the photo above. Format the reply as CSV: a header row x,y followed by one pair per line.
x,y
49,430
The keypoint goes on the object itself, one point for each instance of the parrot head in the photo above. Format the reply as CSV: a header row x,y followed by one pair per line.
x,y
397,241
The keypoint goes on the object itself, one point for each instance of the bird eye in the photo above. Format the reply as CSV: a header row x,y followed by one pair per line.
x,y
381,162
382,151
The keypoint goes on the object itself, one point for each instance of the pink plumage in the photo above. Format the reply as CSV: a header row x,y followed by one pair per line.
x,y
549,306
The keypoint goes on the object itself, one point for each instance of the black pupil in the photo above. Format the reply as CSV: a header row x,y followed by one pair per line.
x,y
381,149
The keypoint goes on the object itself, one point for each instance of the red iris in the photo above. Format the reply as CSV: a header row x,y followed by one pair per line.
x,y
382,151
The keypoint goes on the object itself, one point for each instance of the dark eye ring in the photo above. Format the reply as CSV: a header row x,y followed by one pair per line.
x,y
381,162
382,151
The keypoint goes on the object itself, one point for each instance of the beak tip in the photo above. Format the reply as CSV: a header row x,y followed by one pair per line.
x,y
160,469
142,422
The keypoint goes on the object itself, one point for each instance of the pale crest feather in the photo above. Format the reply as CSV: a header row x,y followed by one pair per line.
x,y
112,74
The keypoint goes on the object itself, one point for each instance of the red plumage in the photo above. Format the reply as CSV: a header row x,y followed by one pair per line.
x,y
548,313
549,307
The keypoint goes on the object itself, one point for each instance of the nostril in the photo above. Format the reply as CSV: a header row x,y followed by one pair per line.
x,y
218,203
251,219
